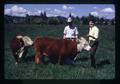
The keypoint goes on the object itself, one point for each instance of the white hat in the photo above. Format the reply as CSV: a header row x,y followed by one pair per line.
x,y
69,19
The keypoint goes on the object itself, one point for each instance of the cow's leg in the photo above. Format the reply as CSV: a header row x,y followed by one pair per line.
x,y
38,58
59,59
25,53
15,56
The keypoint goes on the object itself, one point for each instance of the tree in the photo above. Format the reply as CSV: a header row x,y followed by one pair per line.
x,y
44,18
113,21
53,20
91,17
70,14
102,21
77,20
27,18
84,20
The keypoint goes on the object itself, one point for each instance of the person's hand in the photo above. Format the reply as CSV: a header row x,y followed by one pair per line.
x,y
64,37
76,36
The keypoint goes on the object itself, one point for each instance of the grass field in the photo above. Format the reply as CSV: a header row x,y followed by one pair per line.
x,y
105,55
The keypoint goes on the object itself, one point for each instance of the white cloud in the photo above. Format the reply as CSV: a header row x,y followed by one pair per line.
x,y
64,7
67,7
73,14
39,11
57,11
95,13
107,15
48,9
15,8
20,11
7,11
107,10
29,13
95,8
51,14
70,7
16,11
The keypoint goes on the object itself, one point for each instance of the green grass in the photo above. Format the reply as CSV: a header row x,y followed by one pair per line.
x,y
82,69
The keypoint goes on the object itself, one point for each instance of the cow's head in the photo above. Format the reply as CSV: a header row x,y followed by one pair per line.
x,y
83,44
22,50
27,41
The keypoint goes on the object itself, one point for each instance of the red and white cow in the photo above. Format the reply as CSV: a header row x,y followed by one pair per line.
x,y
19,46
58,49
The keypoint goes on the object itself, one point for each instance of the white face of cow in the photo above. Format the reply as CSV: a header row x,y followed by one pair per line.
x,y
27,41
83,45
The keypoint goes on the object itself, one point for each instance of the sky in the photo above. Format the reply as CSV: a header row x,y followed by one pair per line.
x,y
100,10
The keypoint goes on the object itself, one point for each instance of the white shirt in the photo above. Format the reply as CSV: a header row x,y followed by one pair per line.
x,y
70,32
94,31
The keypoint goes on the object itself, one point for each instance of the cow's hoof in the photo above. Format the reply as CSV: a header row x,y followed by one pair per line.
x,y
37,61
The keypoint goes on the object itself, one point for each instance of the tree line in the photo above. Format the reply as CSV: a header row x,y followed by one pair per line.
x,y
42,19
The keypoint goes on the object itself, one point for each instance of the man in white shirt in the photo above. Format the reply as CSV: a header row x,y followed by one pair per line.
x,y
70,31
93,40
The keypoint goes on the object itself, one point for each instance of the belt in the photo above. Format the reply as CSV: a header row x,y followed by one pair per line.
x,y
73,39
92,37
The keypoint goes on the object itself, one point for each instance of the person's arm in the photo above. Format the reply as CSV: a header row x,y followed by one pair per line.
x,y
76,36
96,33
91,36
64,36
76,33
64,33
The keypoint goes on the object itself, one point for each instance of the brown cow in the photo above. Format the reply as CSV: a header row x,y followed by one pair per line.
x,y
57,49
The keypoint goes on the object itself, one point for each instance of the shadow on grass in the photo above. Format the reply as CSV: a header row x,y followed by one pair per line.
x,y
82,59
29,59
102,63
98,65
